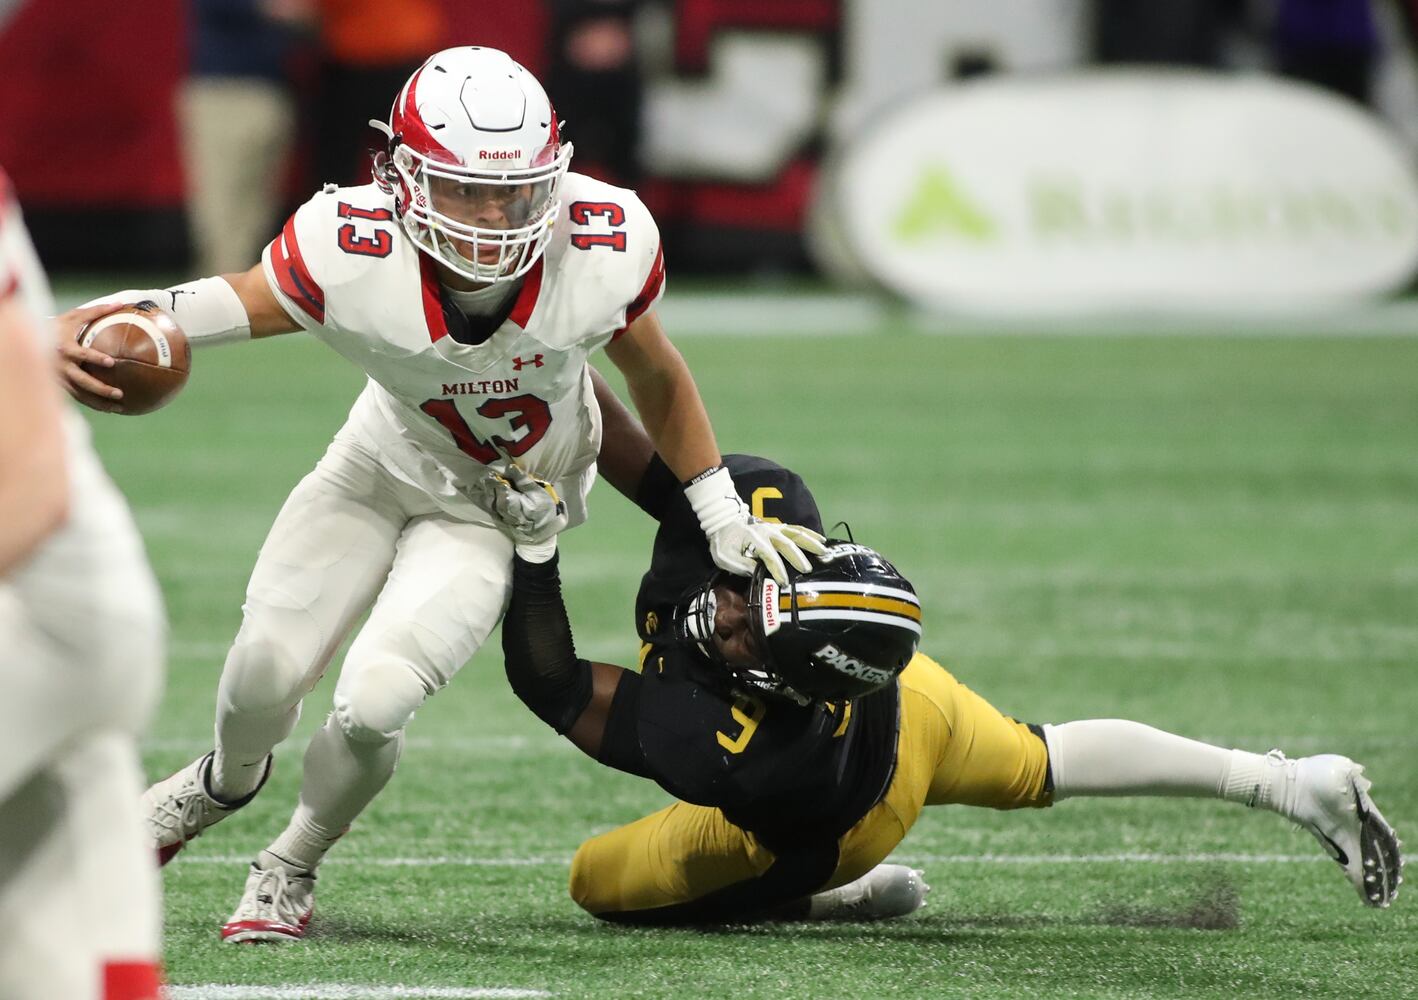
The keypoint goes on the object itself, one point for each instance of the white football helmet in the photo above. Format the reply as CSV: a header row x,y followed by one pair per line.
x,y
475,162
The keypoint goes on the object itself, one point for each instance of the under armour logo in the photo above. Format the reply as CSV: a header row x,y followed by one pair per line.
x,y
535,361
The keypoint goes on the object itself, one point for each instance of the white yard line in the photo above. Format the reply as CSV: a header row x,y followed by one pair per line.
x,y
439,861
344,991
1091,859
489,745
452,861
757,312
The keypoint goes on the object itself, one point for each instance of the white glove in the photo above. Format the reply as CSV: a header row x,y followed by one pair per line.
x,y
736,537
528,508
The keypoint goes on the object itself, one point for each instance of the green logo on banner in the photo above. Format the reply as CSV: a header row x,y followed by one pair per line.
x,y
937,207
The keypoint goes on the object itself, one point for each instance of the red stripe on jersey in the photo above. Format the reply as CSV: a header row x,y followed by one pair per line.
x,y
527,298
641,302
293,276
432,299
132,981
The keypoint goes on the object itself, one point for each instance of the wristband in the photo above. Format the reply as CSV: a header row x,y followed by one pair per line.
x,y
704,475
714,499
537,553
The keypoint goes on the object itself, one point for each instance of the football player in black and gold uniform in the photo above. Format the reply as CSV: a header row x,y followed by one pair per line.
x,y
802,732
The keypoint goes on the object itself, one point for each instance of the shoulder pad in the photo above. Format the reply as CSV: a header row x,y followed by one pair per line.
x,y
331,240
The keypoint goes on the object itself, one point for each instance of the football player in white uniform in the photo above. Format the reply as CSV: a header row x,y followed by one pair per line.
x,y
81,637
471,281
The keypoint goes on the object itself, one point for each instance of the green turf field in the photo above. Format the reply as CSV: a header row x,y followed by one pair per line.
x,y
1216,535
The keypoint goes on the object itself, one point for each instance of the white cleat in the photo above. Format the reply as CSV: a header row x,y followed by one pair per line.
x,y
178,808
276,906
884,893
1328,795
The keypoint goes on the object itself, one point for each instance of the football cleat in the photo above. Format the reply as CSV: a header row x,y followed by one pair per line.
x,y
276,906
178,808
1329,796
884,893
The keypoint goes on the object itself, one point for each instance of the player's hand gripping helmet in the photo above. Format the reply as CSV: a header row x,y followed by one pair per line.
x,y
841,630
475,163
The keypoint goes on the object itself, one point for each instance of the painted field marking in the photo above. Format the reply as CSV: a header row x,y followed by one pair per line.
x,y
915,859
377,862
1093,859
344,991
815,313
820,310
511,743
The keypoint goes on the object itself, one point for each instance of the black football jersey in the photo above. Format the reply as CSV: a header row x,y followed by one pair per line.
x,y
789,773
680,558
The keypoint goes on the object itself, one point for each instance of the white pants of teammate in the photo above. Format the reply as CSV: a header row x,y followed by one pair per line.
x,y
81,638
351,535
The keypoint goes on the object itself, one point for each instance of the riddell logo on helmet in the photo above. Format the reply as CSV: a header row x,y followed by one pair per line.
x,y
770,607
851,666
499,154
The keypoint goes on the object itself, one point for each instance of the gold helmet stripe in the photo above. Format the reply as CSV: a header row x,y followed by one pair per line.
x,y
817,600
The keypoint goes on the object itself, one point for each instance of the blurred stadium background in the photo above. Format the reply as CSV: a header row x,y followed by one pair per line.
x,y
1163,465
723,113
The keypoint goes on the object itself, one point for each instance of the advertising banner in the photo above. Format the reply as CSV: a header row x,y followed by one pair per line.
x,y
1124,190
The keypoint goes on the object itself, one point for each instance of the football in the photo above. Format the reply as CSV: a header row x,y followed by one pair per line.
x,y
152,357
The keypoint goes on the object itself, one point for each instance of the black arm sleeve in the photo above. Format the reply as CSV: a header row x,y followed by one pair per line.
x,y
658,486
778,894
540,655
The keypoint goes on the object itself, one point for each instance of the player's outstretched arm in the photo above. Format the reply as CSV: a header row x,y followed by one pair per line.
x,y
626,450
665,396
34,485
669,404
210,311
572,695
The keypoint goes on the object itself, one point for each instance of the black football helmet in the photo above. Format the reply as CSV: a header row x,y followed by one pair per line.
x,y
843,629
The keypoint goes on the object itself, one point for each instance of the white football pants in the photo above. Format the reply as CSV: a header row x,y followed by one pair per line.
x,y
80,912
349,535
81,648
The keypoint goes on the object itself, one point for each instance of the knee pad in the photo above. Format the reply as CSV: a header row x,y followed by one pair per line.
x,y
277,657
374,705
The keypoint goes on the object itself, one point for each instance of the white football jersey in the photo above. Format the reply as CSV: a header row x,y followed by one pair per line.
x,y
438,411
20,273
94,566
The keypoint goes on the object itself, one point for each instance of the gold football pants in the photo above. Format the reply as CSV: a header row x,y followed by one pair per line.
x,y
953,748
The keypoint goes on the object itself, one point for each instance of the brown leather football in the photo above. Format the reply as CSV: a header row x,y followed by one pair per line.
x,y
152,356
